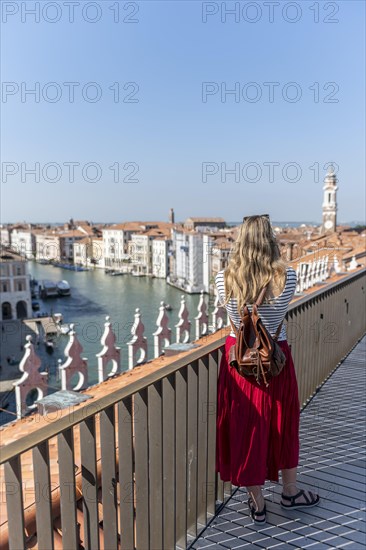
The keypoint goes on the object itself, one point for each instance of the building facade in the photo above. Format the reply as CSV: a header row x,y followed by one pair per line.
x,y
4,235
140,251
115,243
48,246
160,264
15,292
187,247
88,252
23,242
216,251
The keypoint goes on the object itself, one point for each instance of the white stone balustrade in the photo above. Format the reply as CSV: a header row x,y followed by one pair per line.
x,y
303,267
318,270
137,346
326,268
298,273
162,336
305,276
183,327
75,366
31,379
310,273
337,268
315,270
109,354
353,263
202,318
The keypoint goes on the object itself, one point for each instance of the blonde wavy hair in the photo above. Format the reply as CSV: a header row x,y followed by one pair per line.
x,y
255,261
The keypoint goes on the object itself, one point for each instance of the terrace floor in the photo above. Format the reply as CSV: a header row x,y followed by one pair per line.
x,y
332,462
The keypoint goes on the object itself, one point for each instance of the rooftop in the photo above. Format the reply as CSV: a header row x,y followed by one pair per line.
x,y
10,256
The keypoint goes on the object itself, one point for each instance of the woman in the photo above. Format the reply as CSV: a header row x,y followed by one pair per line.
x,y
258,426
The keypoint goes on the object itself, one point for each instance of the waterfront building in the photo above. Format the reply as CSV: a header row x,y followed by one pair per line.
x,y
4,235
160,252
115,243
149,251
67,240
48,246
187,248
216,251
15,286
23,240
131,243
88,252
140,251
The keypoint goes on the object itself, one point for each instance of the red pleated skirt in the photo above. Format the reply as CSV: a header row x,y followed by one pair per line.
x,y
257,430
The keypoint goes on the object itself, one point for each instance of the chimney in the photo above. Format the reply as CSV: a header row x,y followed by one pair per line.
x,y
289,251
171,215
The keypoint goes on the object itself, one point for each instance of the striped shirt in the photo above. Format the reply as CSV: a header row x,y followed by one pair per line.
x,y
271,314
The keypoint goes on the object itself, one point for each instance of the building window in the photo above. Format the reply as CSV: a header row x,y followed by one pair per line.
x,y
4,287
19,286
329,195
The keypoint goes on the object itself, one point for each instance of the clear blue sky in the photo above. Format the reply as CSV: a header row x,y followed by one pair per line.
x,y
170,131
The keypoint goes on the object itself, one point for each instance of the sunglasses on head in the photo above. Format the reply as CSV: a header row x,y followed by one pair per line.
x,y
256,216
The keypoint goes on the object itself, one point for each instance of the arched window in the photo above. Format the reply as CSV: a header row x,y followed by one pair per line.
x,y
6,311
21,309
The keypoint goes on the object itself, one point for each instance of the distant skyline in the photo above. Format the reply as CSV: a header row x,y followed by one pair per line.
x,y
183,104
229,222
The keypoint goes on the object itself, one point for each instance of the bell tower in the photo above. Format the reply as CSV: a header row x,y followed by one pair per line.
x,y
330,202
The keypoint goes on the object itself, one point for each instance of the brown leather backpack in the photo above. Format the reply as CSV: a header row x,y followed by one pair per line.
x,y
256,353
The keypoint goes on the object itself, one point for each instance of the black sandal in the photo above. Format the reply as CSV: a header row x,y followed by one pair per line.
x,y
259,517
312,501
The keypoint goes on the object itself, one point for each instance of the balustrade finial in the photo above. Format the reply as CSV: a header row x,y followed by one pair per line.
x,y
75,366
183,327
162,336
219,314
110,353
31,379
137,346
202,317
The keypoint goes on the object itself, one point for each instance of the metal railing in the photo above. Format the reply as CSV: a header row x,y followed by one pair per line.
x,y
135,469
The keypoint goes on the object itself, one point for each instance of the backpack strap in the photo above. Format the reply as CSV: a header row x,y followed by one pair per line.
x,y
233,327
258,303
261,296
278,331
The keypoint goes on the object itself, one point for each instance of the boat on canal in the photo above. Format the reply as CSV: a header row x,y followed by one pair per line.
x,y
63,288
48,289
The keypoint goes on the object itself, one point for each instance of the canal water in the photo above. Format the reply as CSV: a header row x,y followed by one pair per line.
x,y
94,295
